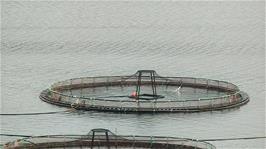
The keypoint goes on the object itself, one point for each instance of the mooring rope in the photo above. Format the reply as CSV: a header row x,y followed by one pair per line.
x,y
112,96
38,113
228,139
12,135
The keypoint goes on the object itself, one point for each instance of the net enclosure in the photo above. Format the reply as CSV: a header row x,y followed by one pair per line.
x,y
105,139
145,91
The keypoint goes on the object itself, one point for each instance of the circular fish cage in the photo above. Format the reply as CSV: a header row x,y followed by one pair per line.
x,y
105,139
145,91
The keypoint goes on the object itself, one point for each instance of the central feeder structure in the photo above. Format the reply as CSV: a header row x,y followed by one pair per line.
x,y
146,96
145,91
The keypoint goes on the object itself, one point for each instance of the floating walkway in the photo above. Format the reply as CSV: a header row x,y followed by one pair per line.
x,y
151,93
105,139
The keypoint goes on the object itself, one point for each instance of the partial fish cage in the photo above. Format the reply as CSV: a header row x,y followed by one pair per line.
x,y
145,91
105,139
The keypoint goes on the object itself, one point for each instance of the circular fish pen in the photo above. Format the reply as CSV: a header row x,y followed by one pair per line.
x,y
145,91
105,139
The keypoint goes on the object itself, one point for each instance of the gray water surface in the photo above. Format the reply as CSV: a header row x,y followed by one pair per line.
x,y
45,42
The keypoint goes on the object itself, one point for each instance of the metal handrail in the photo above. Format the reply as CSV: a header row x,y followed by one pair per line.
x,y
211,101
155,139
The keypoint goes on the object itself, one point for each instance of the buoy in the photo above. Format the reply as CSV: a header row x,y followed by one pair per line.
x,y
134,94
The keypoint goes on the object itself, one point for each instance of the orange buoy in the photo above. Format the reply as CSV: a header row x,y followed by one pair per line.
x,y
134,94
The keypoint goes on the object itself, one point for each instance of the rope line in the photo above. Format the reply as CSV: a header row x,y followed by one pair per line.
x,y
38,113
228,139
12,135
151,139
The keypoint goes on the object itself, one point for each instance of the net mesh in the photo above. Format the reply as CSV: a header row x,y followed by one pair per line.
x,y
114,92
